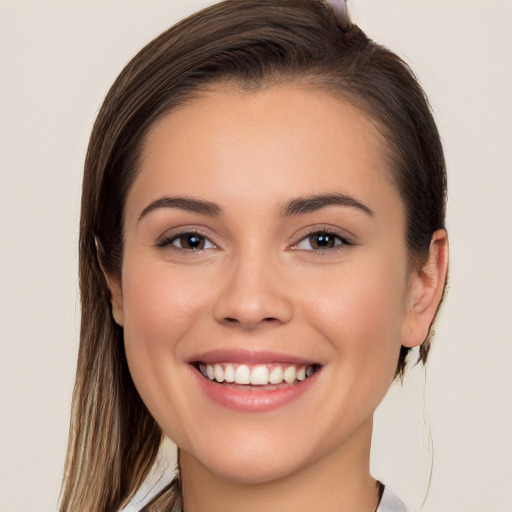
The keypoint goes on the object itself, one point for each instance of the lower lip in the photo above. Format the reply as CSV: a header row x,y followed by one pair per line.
x,y
253,399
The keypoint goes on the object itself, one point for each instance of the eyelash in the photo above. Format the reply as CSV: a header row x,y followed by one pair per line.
x,y
339,241
169,241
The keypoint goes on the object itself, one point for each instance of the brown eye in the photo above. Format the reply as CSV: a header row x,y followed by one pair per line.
x,y
321,241
191,242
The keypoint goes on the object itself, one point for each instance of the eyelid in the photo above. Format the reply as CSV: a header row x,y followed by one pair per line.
x,y
165,241
347,240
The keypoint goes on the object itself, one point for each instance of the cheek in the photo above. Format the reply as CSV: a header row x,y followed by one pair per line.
x,y
159,305
360,312
160,308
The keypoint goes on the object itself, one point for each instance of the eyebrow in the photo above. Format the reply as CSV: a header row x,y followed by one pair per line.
x,y
183,203
314,203
298,206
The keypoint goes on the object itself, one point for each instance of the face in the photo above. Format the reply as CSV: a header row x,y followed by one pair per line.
x,y
264,243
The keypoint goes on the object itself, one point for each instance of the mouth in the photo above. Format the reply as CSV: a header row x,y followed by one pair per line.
x,y
256,376
253,380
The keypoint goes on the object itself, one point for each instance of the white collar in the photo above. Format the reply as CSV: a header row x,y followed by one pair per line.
x,y
160,474
390,502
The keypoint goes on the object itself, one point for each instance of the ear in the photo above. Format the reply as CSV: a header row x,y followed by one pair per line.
x,y
114,287
426,286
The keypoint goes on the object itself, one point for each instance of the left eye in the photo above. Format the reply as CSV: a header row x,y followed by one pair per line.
x,y
321,241
191,242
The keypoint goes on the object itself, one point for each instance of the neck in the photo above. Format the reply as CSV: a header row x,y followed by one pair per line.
x,y
339,482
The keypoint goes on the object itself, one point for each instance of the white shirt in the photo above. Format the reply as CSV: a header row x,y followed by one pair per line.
x,y
390,502
162,473
159,476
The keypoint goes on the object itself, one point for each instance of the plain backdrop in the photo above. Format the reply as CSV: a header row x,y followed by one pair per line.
x,y
57,60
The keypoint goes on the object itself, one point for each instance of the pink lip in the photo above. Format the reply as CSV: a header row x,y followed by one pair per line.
x,y
252,399
247,356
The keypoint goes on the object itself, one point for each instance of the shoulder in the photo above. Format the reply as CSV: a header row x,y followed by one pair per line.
x,y
390,502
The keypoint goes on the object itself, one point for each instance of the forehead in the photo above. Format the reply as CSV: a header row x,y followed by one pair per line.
x,y
261,146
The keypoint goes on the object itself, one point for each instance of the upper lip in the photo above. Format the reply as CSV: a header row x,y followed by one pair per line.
x,y
248,356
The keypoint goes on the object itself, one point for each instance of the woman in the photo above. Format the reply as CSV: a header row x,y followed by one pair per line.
x,y
262,242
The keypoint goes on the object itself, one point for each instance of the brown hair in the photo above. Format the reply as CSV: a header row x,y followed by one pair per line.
x,y
252,44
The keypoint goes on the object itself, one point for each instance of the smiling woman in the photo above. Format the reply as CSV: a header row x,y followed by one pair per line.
x,y
262,241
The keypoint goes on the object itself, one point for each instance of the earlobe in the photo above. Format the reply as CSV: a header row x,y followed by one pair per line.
x,y
426,289
116,300
114,287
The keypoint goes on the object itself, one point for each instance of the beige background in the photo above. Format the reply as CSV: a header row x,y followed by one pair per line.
x,y
57,60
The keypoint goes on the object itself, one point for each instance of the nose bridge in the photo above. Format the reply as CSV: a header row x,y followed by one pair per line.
x,y
253,290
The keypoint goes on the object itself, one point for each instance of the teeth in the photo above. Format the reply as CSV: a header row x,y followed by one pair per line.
x,y
259,375
218,373
243,375
229,373
290,374
276,375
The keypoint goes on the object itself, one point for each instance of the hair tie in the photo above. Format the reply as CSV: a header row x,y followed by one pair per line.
x,y
340,11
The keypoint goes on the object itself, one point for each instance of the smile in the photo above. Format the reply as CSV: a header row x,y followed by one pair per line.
x,y
257,375
253,381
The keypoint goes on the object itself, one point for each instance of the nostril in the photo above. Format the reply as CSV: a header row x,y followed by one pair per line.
x,y
234,321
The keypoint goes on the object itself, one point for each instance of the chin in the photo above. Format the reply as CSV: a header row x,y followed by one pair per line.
x,y
248,463
254,473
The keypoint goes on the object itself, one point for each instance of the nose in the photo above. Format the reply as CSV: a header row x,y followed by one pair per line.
x,y
253,294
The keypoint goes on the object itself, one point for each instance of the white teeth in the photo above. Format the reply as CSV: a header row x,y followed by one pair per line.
x,y
218,373
243,375
276,375
290,374
229,373
259,376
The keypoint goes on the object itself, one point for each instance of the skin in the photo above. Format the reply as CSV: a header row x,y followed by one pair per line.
x,y
260,283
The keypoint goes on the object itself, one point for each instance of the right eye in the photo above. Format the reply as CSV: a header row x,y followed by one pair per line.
x,y
190,241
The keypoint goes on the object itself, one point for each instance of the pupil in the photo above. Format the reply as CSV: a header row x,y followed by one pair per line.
x,y
323,241
194,242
